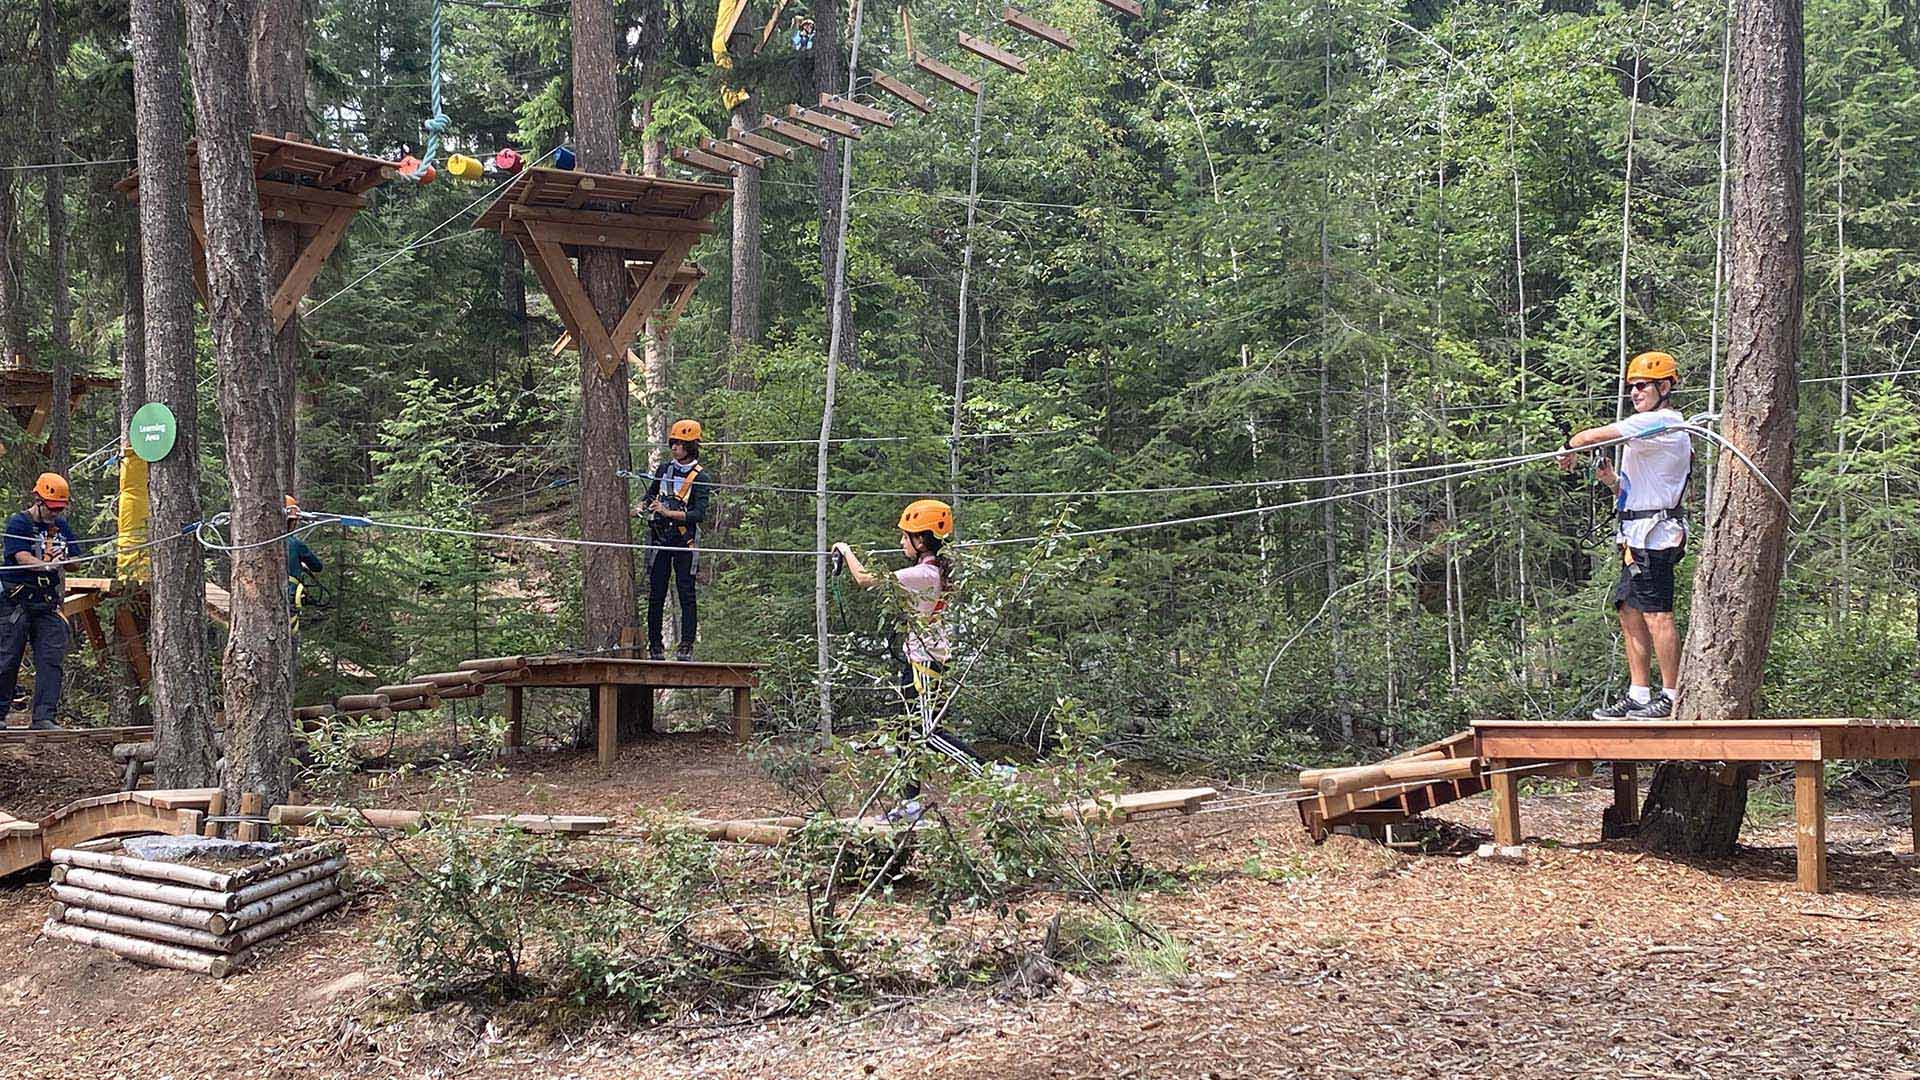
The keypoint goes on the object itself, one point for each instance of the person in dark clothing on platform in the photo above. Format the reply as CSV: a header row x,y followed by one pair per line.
x,y
38,547
675,504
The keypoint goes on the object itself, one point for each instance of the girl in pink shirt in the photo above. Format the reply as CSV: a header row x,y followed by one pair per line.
x,y
923,586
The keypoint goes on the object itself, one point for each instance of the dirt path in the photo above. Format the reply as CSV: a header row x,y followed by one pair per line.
x,y
1345,959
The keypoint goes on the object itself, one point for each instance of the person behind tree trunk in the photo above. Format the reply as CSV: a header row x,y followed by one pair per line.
x,y
39,546
676,503
1652,535
300,562
926,646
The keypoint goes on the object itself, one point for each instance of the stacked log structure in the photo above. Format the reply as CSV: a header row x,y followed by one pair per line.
x,y
186,916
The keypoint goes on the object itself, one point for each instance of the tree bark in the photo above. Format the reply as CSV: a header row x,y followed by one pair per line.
x,y
253,396
604,427
51,53
744,328
183,712
830,77
277,61
13,321
1736,585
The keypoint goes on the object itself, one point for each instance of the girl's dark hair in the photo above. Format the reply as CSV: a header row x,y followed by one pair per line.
x,y
692,445
928,544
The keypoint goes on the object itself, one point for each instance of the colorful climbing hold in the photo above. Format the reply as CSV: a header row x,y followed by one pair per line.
x,y
507,161
563,158
462,167
415,170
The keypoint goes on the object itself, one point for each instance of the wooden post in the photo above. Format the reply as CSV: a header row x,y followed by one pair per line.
x,y
742,714
1626,791
1810,824
252,805
516,720
216,805
1506,804
608,718
1913,800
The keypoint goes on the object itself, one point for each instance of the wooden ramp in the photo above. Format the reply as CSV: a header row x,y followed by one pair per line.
x,y
1375,806
126,813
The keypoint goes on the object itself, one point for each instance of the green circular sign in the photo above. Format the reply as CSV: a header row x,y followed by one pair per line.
x,y
152,432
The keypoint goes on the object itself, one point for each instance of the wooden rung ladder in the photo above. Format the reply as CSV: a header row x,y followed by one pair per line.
x,y
1027,24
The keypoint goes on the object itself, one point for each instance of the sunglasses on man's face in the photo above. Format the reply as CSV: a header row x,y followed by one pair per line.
x,y
1636,387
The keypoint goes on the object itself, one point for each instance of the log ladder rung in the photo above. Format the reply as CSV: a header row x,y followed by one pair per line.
x,y
824,122
764,145
698,160
788,130
1027,24
855,109
987,50
733,153
908,94
1125,7
951,76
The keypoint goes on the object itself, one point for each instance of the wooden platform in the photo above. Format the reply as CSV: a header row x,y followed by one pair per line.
x,y
605,676
317,188
1808,743
27,393
556,214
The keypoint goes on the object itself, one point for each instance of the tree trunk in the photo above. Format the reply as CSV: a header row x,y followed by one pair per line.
x,y
253,402
830,77
513,293
51,53
1736,585
604,437
13,321
655,375
277,61
124,684
744,329
183,713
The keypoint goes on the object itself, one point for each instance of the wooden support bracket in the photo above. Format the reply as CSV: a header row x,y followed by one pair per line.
x,y
707,162
855,109
908,94
733,153
1027,24
987,50
286,298
821,120
788,130
947,74
565,290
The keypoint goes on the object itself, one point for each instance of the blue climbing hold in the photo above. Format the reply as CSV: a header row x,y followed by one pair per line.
x,y
563,158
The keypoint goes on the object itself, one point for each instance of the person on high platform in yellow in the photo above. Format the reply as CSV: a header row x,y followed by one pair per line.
x,y
39,546
926,645
675,505
1649,486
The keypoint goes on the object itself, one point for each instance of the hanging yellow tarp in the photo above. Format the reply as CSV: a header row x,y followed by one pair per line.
x,y
724,20
133,562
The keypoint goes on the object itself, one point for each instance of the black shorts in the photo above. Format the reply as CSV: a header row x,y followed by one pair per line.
x,y
1646,584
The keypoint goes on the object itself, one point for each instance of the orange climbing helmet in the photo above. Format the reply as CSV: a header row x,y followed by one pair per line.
x,y
928,516
293,506
1653,365
684,431
52,490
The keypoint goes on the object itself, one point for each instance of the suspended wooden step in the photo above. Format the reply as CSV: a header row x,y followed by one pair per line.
x,y
788,130
764,145
1125,7
951,76
856,110
987,50
639,218
901,90
1027,24
824,122
696,159
732,153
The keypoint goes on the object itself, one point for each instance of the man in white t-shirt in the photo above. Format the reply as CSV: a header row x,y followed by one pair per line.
x,y
1655,463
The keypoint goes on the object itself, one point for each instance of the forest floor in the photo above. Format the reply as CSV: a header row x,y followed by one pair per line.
x,y
1342,959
